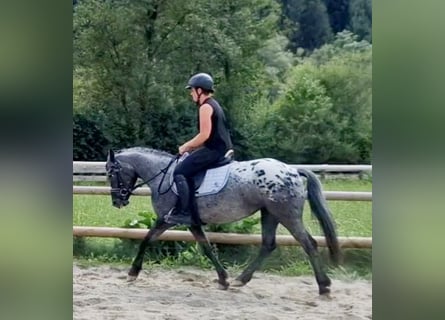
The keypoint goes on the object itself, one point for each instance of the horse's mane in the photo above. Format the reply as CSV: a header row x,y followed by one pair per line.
x,y
145,151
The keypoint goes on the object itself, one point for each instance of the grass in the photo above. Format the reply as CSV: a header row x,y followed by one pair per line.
x,y
96,210
353,218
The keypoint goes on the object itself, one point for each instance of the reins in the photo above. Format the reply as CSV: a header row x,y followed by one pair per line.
x,y
164,171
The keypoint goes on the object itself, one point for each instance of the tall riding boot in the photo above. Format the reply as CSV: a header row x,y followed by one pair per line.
x,y
181,214
193,206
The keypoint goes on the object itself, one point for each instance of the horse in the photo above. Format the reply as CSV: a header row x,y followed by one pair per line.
x,y
266,185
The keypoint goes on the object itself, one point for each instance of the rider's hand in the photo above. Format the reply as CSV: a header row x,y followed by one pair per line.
x,y
182,149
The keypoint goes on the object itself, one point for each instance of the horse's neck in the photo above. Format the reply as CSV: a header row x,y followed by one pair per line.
x,y
150,167
152,170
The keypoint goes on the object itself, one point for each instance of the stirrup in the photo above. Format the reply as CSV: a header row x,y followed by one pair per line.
x,y
169,214
178,219
229,154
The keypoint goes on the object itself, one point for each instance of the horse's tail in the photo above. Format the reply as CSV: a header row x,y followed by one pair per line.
x,y
320,209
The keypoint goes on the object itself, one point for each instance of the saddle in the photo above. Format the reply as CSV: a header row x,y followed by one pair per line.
x,y
212,179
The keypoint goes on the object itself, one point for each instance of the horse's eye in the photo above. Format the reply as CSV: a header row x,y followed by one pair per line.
x,y
110,175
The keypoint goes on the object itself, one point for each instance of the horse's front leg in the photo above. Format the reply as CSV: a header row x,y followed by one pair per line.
x,y
159,227
200,236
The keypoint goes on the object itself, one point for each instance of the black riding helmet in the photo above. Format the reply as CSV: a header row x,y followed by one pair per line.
x,y
201,80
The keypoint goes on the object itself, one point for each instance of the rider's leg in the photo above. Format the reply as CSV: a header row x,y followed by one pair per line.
x,y
184,191
185,211
182,174
183,177
181,213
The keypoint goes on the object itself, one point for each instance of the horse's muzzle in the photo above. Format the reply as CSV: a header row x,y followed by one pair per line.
x,y
120,203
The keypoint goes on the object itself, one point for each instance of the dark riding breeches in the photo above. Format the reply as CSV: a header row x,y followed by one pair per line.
x,y
195,162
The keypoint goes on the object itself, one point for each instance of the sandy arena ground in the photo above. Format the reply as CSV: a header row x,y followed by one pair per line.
x,y
188,294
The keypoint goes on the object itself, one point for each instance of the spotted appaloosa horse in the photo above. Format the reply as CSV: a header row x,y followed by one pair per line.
x,y
268,185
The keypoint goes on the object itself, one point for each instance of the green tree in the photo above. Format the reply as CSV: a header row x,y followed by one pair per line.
x,y
324,116
277,61
301,123
360,12
306,23
133,58
348,81
338,11
89,143
344,42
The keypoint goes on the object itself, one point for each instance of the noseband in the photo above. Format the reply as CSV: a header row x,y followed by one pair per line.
x,y
122,192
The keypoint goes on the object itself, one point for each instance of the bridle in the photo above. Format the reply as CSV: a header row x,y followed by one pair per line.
x,y
123,192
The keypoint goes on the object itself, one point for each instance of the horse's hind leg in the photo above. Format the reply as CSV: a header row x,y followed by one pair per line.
x,y
200,236
309,245
269,226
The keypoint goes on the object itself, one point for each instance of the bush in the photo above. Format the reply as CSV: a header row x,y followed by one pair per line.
x,y
300,128
156,250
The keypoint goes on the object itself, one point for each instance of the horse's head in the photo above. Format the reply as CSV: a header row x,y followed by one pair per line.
x,y
122,178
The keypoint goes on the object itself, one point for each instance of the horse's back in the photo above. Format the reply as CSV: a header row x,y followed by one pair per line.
x,y
252,185
270,177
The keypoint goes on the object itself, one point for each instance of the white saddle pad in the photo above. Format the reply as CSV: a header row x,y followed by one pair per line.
x,y
215,179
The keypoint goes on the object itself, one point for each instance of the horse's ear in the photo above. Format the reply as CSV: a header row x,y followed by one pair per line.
x,y
111,156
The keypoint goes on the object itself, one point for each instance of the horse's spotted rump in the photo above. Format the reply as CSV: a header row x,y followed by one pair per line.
x,y
275,179
260,173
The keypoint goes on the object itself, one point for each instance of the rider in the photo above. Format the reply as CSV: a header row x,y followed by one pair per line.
x,y
206,148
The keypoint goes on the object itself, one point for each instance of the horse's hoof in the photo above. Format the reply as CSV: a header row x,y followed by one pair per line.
x,y
223,286
326,296
131,278
237,283
324,292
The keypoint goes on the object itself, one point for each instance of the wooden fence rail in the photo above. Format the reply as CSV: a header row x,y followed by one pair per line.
x,y
95,170
329,195
214,237
99,167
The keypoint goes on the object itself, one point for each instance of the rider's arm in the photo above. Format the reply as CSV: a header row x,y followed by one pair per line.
x,y
205,128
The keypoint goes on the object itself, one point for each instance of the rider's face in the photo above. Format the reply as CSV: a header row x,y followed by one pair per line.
x,y
194,94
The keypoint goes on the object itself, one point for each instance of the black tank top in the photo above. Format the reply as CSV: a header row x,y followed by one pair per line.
x,y
219,138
